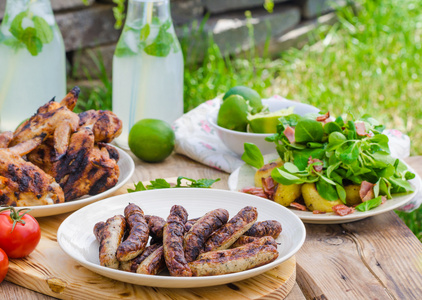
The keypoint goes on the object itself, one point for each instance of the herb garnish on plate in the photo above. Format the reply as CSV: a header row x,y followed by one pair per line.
x,y
161,183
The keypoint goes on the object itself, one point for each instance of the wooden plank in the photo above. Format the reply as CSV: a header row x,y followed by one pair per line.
x,y
11,291
387,246
375,258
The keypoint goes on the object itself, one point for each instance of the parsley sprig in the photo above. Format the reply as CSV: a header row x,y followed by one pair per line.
x,y
161,183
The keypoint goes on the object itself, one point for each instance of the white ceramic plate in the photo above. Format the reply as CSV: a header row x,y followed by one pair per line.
x,y
244,177
126,166
76,238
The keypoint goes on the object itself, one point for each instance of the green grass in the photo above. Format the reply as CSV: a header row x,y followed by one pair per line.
x,y
368,62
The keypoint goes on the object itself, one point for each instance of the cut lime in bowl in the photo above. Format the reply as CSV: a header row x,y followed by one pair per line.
x,y
234,140
267,122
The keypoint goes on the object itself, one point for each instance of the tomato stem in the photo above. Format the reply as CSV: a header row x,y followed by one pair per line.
x,y
16,216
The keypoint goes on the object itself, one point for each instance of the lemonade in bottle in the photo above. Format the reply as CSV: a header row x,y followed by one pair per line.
x,y
147,67
32,60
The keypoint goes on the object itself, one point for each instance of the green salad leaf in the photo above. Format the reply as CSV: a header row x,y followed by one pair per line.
x,y
370,204
334,154
252,155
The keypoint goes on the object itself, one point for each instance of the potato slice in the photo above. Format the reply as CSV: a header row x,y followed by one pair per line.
x,y
314,201
286,194
265,171
352,194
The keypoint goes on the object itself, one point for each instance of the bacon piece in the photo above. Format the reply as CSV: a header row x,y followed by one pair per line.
x,y
298,206
317,168
342,210
366,191
360,129
255,191
383,199
323,117
317,212
289,132
269,186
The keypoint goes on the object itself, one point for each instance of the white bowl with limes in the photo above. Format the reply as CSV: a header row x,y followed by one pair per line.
x,y
234,140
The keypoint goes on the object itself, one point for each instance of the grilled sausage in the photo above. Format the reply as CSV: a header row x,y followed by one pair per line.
x,y
98,230
265,228
264,241
132,265
153,264
173,242
111,237
225,236
239,259
200,231
243,240
156,225
189,223
138,236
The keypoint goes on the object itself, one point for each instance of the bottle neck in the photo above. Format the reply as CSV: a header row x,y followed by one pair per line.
x,y
41,8
141,12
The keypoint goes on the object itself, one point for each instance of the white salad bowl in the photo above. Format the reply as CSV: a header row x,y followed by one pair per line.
x,y
234,140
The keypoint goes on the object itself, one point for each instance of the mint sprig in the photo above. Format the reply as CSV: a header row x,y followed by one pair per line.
x,y
32,38
161,46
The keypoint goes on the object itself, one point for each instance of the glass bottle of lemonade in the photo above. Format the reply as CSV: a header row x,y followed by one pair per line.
x,y
32,60
147,67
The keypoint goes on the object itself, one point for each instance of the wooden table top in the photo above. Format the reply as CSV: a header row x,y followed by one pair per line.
x,y
375,258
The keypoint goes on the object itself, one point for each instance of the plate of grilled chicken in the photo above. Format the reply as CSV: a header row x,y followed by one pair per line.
x,y
58,161
181,238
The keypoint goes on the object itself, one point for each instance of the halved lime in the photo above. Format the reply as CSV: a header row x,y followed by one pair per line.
x,y
267,122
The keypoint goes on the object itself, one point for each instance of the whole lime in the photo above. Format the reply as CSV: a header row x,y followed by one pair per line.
x,y
151,140
233,113
249,95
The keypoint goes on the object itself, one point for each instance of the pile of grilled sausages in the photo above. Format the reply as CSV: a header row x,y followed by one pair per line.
x,y
209,245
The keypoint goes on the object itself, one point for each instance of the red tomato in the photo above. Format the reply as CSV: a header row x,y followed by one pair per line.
x,y
19,232
4,264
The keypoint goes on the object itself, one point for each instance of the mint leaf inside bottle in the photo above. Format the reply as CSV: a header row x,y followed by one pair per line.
x,y
161,46
31,37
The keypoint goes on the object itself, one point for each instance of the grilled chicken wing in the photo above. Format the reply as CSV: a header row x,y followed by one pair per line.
x,y
51,120
105,124
87,168
22,183
5,138
70,148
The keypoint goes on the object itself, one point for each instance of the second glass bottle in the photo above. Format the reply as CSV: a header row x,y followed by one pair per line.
x,y
147,67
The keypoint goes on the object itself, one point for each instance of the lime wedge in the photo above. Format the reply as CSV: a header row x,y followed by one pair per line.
x,y
267,122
